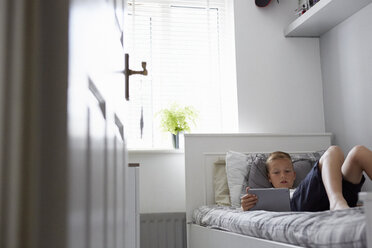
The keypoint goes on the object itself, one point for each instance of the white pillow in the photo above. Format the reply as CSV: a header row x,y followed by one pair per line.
x,y
237,171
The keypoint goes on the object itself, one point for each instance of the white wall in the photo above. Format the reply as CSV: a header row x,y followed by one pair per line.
x,y
162,181
346,56
278,79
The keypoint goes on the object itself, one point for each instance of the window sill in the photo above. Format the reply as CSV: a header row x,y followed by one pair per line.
x,y
156,151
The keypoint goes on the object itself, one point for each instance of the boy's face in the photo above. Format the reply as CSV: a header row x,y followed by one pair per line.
x,y
281,173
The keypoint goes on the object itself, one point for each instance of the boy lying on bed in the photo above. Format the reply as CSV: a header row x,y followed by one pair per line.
x,y
333,183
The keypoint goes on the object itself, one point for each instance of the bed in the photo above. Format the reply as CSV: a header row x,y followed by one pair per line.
x,y
201,153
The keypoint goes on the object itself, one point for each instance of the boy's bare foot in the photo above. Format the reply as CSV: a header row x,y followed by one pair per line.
x,y
338,205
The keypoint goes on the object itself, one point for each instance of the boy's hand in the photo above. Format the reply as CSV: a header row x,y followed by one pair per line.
x,y
248,200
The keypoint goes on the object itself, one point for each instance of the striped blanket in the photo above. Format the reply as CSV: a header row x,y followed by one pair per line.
x,y
341,228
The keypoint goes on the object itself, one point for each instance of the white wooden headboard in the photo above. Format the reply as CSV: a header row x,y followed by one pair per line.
x,y
202,150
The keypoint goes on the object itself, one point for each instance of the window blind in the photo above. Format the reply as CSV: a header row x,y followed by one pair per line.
x,y
184,45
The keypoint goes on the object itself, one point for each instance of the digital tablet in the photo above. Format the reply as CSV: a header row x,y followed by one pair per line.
x,y
272,199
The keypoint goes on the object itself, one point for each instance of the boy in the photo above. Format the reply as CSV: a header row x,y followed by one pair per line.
x,y
333,183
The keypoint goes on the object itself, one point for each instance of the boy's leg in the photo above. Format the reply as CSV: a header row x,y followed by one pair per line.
x,y
358,160
330,165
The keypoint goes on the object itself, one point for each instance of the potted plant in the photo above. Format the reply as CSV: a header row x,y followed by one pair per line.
x,y
177,119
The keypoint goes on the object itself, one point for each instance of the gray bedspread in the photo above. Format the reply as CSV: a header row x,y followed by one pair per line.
x,y
342,228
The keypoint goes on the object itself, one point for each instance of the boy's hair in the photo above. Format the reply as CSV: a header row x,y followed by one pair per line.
x,y
277,155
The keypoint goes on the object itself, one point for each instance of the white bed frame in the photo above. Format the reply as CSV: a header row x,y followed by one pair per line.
x,y
202,150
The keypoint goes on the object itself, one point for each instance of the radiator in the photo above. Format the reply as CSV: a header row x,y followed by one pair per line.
x,y
163,230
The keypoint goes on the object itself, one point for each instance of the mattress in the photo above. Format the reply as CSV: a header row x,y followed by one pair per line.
x,y
341,228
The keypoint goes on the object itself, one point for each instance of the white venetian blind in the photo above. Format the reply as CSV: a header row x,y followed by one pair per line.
x,y
185,45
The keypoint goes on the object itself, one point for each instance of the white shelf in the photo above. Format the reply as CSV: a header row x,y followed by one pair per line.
x,y
323,16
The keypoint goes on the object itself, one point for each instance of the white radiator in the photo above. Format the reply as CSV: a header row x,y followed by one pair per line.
x,y
163,230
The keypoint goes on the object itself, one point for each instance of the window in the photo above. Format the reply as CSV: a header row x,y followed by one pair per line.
x,y
189,49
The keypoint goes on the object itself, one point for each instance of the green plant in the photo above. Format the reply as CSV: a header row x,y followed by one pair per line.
x,y
177,119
